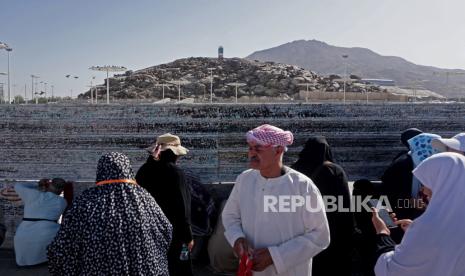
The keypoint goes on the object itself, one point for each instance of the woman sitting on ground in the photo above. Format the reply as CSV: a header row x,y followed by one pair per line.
x,y
433,243
43,206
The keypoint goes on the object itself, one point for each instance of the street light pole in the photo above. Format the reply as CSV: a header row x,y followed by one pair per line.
x,y
45,90
108,68
14,92
8,49
108,88
236,84
211,84
32,88
345,75
9,95
2,98
92,88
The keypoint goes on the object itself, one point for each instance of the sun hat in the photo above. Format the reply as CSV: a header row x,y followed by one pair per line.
x,y
168,141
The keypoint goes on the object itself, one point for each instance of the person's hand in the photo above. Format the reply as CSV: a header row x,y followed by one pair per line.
x,y
190,245
241,246
404,223
261,259
393,216
378,223
10,194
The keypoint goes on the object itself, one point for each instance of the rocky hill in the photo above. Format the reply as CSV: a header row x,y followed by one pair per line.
x,y
260,79
327,59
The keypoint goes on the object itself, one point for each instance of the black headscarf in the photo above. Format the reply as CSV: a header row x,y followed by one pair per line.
x,y
315,152
407,134
113,166
316,162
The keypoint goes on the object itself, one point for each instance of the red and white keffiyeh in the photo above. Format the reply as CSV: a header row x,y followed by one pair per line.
x,y
270,135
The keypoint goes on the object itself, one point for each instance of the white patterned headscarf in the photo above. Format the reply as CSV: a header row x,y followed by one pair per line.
x,y
420,149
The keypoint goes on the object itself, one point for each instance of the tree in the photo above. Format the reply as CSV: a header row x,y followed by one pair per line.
x,y
19,99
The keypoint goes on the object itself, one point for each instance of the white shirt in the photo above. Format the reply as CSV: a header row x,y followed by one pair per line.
x,y
292,238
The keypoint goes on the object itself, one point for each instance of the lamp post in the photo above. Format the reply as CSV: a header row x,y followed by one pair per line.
x,y
163,70
179,83
9,86
8,49
96,89
108,68
45,91
211,84
306,91
52,86
162,89
2,98
71,89
14,92
236,84
92,88
32,88
345,56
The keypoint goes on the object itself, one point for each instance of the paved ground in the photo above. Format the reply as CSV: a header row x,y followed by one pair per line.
x,y
8,267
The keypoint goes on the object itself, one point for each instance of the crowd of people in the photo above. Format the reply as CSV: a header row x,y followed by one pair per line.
x,y
149,222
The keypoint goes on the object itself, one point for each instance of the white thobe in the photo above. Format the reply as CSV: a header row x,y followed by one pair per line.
x,y
292,237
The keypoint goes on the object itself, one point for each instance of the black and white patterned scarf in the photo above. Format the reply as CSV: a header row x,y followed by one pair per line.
x,y
113,229
114,165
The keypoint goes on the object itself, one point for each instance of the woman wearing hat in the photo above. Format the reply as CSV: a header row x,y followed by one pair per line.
x,y
114,228
165,181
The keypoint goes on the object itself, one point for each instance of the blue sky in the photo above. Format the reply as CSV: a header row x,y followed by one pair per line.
x,y
55,38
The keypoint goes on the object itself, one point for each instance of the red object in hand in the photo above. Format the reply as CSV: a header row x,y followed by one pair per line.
x,y
245,266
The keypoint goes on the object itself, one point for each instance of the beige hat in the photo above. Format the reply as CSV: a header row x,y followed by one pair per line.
x,y
168,141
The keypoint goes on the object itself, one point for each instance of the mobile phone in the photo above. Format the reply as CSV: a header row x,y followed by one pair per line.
x,y
383,213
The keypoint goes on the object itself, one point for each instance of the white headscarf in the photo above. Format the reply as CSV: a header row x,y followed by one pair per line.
x,y
434,243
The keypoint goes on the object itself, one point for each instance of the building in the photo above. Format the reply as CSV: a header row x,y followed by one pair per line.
x,y
380,82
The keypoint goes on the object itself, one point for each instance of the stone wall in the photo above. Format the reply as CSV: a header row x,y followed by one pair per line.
x,y
66,140
351,96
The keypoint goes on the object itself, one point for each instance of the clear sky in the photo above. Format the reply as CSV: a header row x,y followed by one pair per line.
x,y
53,38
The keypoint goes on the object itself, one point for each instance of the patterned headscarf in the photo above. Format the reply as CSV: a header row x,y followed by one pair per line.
x,y
113,166
420,149
270,135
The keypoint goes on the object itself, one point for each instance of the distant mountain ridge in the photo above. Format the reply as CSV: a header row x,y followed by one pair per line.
x,y
323,58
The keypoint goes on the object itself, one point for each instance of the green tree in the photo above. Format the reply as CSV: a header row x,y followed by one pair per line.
x,y
19,99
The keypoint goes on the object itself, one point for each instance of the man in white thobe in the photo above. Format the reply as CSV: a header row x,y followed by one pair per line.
x,y
265,217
